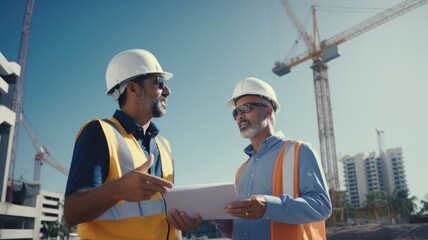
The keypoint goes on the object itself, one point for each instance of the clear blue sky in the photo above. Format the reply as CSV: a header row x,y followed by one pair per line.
x,y
379,82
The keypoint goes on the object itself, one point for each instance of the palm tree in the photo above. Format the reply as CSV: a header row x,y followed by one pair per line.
x,y
50,229
386,199
402,204
64,230
349,211
424,205
373,200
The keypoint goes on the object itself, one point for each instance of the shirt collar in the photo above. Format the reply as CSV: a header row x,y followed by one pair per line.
x,y
131,126
268,142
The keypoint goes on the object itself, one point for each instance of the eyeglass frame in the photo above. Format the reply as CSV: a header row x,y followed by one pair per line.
x,y
159,80
248,105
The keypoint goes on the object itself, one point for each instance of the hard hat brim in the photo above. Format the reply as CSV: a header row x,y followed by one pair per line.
x,y
231,102
166,75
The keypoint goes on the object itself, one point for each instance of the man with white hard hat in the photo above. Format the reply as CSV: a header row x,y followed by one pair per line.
x,y
282,186
121,166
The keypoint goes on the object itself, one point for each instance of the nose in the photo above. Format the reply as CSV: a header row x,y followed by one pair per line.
x,y
239,116
166,91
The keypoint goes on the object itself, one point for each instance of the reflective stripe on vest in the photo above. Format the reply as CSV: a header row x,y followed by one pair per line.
x,y
286,181
133,209
143,220
127,209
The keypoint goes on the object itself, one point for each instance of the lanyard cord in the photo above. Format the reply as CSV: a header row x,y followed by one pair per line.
x,y
166,214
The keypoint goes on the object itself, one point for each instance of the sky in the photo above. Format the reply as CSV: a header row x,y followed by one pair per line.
x,y
378,82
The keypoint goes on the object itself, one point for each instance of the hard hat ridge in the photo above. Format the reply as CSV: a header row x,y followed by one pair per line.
x,y
254,86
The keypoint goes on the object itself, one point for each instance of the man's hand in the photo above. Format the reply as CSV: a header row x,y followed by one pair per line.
x,y
138,185
251,208
181,221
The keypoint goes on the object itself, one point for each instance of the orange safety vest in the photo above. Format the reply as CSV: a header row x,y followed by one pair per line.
x,y
145,220
286,181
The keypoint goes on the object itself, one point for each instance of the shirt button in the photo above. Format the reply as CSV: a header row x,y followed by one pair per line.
x,y
257,159
248,194
245,233
252,175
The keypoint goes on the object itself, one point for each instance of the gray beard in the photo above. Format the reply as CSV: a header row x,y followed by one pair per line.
x,y
253,130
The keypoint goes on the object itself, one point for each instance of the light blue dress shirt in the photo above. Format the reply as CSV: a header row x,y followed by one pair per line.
x,y
313,205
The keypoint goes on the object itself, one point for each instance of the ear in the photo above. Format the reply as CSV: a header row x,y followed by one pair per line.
x,y
132,88
269,112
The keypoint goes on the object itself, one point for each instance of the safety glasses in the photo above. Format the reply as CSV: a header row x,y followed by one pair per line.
x,y
246,108
159,82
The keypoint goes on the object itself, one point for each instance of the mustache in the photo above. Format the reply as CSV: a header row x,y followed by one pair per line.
x,y
162,98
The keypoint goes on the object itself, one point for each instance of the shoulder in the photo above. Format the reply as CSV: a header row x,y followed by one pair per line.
x,y
306,146
302,144
90,129
163,139
306,149
92,124
164,142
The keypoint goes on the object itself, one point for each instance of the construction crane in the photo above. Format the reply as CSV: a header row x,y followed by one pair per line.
x,y
321,52
382,156
380,140
42,154
18,91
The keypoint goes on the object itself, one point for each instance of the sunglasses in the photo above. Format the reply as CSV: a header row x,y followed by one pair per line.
x,y
246,108
158,81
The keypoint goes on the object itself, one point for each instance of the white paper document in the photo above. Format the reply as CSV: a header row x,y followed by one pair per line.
x,y
208,200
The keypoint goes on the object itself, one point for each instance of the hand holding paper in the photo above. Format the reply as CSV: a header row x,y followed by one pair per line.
x,y
207,200
251,208
181,221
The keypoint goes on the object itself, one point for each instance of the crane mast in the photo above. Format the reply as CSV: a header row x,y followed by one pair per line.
x,y
321,52
19,86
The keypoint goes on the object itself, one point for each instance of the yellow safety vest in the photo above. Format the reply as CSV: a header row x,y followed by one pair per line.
x,y
145,220
286,181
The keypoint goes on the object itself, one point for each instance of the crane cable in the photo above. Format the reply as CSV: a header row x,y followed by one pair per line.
x,y
328,8
273,29
293,49
42,141
323,8
274,33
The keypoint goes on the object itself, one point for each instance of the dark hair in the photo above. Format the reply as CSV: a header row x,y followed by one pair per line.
x,y
122,99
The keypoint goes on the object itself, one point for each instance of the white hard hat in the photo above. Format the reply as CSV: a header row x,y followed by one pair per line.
x,y
253,86
128,65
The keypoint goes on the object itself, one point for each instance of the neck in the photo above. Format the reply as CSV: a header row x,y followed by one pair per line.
x,y
140,117
257,140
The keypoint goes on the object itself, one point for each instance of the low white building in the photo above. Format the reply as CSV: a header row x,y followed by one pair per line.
x,y
23,205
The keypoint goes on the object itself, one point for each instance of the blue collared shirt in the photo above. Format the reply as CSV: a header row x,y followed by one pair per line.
x,y
313,204
90,162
